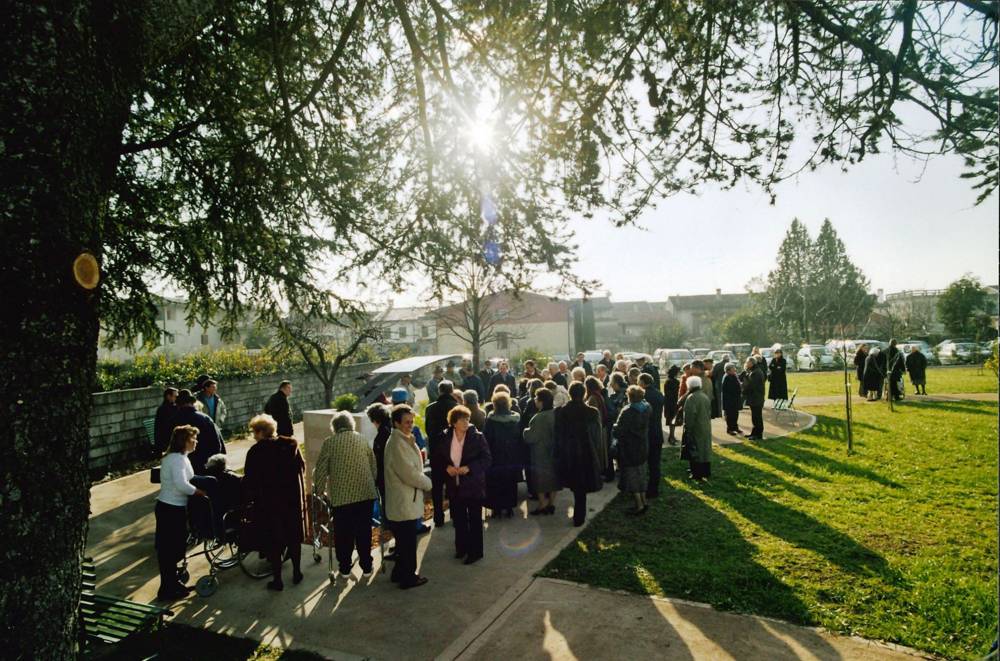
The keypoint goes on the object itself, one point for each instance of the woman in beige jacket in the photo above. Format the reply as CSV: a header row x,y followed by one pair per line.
x,y
405,483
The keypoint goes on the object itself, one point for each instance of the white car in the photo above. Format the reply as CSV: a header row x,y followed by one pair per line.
x,y
955,353
815,357
678,357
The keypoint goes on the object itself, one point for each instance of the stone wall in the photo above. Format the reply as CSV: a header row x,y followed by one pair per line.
x,y
118,437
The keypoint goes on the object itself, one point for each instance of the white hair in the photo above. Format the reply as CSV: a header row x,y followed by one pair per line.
x,y
216,461
579,374
694,382
342,421
471,398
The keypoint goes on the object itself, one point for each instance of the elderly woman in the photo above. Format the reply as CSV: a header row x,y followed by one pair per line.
x,y
860,356
273,485
405,483
502,434
698,428
541,439
176,474
671,389
632,435
346,471
466,458
478,415
778,369
380,415
595,399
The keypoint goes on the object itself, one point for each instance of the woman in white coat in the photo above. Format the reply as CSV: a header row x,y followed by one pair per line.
x,y
405,484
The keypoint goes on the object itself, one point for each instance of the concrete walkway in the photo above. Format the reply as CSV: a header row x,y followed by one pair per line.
x,y
555,619
493,609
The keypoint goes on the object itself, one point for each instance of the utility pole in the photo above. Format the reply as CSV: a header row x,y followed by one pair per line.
x,y
849,421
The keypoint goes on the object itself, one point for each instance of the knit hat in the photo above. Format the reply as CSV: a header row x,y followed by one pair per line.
x,y
694,382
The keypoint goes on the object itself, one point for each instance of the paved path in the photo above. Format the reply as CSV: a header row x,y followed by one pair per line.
x,y
555,619
825,400
494,609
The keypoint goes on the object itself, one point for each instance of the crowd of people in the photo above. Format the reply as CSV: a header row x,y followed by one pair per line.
x,y
565,426
875,366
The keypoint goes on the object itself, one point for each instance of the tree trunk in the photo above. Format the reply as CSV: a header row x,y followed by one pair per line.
x,y
328,392
64,115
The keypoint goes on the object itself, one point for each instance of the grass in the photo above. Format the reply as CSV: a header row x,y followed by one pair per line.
x,y
940,381
177,642
896,542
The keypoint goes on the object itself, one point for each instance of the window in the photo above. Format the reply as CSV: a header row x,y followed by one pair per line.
x,y
425,331
401,331
204,339
502,340
169,313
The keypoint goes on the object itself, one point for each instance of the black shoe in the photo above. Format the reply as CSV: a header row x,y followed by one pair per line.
x,y
473,559
423,529
536,512
551,509
636,512
459,555
438,524
297,577
577,524
275,586
393,578
392,557
420,580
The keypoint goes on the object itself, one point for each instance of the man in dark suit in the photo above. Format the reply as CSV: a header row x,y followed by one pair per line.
x,y
435,422
718,373
655,447
505,377
278,408
753,393
486,375
581,361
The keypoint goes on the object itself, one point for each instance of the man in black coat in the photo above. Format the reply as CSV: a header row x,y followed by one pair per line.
x,y
753,394
581,361
486,375
163,426
649,368
896,367
209,440
435,422
577,434
278,408
916,365
655,434
505,377
718,374
731,399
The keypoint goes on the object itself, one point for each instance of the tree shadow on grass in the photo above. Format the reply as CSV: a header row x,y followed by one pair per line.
x,y
963,407
686,548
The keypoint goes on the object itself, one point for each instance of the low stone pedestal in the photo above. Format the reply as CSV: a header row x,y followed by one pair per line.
x,y
316,429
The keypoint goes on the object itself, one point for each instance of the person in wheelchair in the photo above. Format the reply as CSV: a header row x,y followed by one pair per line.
x,y
225,493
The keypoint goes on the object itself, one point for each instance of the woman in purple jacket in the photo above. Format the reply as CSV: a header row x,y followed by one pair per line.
x,y
465,455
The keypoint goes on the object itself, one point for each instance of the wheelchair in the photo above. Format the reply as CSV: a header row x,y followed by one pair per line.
x,y
321,518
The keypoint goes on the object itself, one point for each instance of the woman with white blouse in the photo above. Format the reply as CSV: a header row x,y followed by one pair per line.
x,y
176,474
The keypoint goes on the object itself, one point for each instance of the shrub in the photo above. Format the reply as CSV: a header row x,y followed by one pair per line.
x,y
346,402
529,353
183,371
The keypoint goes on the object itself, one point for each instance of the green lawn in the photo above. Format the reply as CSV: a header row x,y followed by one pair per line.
x,y
897,542
940,380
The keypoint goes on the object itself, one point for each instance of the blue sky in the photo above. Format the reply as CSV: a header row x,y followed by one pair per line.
x,y
904,225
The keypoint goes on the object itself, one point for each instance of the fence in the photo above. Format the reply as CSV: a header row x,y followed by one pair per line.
x,y
117,436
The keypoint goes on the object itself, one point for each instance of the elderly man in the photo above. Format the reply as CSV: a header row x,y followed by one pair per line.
x,y
607,360
562,377
916,365
648,367
433,383
753,394
655,399
486,374
581,361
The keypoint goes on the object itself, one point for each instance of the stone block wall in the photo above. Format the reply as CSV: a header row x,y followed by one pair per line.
x,y
118,437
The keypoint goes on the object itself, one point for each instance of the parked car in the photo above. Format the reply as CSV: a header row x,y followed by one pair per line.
x,y
738,349
815,357
700,352
957,353
720,355
593,356
924,349
789,351
677,357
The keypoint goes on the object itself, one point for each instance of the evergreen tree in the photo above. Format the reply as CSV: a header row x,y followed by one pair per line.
x,y
840,289
790,288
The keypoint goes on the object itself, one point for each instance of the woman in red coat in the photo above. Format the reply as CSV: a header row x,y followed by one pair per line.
x,y
274,492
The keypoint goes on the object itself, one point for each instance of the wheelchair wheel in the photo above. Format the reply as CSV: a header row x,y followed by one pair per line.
x,y
183,575
221,555
254,564
206,586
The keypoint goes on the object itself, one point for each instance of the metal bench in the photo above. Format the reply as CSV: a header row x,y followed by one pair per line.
x,y
106,620
786,405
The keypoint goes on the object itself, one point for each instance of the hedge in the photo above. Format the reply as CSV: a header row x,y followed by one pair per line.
x,y
183,371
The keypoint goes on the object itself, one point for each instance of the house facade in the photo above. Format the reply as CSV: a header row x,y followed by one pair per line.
x,y
176,337
521,321
699,313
